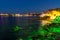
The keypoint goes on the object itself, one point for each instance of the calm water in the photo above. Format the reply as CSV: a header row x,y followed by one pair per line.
x,y
6,23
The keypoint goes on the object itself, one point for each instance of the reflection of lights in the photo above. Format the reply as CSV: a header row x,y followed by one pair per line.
x,y
26,15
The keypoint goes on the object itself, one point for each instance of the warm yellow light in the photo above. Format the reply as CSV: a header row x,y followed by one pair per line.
x,y
51,14
3,14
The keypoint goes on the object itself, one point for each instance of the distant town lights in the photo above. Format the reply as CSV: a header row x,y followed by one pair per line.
x,y
18,15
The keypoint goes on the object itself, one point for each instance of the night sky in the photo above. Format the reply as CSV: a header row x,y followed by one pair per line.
x,y
20,6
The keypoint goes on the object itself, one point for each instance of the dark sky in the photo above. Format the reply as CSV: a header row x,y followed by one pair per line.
x,y
27,5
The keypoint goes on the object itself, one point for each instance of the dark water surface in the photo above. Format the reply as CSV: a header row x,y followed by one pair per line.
x,y
6,23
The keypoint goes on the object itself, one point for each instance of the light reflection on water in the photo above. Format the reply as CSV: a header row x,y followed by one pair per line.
x,y
25,23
